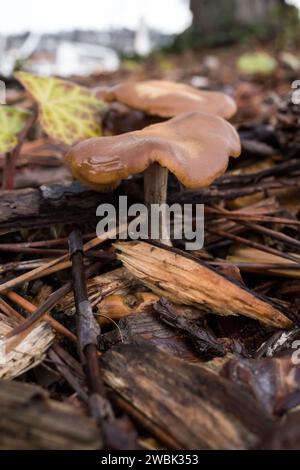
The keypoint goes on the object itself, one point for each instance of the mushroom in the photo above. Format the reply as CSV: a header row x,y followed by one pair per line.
x,y
195,147
135,105
168,99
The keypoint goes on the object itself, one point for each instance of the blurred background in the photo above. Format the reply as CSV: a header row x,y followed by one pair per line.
x,y
70,38
65,38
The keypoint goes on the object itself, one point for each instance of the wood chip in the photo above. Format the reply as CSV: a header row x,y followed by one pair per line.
x,y
30,420
186,280
197,408
19,356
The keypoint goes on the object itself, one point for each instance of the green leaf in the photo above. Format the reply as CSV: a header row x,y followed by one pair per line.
x,y
12,122
257,63
67,112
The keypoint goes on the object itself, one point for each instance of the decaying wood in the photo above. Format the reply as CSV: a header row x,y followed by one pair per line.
x,y
65,202
274,382
145,423
148,326
31,420
197,408
33,207
202,338
18,357
118,281
186,280
116,306
247,257
286,436
47,205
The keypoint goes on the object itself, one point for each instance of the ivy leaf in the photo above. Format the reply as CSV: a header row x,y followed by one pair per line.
x,y
67,112
12,122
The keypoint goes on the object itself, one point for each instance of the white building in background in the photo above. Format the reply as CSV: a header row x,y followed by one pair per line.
x,y
83,33
84,59
65,58
142,40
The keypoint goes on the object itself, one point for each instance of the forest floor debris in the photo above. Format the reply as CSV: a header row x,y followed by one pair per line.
x,y
176,365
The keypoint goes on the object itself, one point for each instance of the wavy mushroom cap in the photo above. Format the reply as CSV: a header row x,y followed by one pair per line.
x,y
168,99
195,147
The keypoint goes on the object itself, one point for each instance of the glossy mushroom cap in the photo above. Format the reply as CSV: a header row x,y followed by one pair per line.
x,y
195,147
168,99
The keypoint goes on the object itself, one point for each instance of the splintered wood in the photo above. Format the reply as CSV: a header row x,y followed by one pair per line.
x,y
118,281
189,281
22,353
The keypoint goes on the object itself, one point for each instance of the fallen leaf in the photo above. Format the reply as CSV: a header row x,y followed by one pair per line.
x,y
67,112
12,122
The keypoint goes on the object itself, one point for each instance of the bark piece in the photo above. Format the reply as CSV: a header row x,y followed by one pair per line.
x,y
118,281
274,382
19,354
31,420
47,205
203,339
148,326
198,409
186,280
284,437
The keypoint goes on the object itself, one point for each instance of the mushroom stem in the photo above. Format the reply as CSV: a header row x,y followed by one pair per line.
x,y
155,192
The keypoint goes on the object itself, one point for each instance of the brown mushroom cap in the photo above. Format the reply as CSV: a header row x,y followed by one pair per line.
x,y
195,147
169,99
